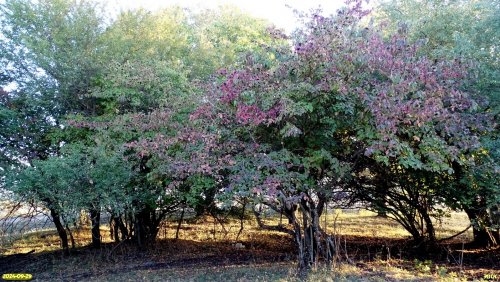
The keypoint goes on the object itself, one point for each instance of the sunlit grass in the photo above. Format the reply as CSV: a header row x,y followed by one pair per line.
x,y
364,223
48,240
360,223
452,224
205,238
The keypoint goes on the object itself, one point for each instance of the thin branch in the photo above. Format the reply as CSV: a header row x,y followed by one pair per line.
x,y
458,234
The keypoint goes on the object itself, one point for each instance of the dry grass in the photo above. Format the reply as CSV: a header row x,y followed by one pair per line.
x,y
349,224
353,223
360,223
206,251
365,223
48,240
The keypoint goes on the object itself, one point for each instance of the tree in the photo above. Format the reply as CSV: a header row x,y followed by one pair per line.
x,y
49,55
468,30
80,179
22,130
343,99
224,36
144,98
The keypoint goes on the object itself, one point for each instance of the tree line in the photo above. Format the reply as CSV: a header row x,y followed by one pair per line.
x,y
149,113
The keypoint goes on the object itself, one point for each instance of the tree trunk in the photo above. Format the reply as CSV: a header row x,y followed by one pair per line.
x,y
407,219
300,246
312,243
312,247
95,218
483,237
180,224
146,226
73,244
478,215
429,227
60,230
123,228
113,229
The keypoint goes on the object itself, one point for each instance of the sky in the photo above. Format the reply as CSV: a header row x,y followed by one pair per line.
x,y
276,11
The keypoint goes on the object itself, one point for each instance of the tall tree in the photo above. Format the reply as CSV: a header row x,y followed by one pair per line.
x,y
468,31
342,98
50,56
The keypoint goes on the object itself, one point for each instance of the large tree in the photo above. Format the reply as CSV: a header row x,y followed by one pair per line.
x,y
344,98
145,96
49,55
468,31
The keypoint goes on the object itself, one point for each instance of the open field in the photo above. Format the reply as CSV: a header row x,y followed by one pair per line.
x,y
374,249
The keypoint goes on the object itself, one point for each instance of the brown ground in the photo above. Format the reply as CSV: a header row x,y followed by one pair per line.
x,y
267,256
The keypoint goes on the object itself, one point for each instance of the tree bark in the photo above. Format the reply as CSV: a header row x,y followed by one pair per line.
x,y
113,229
73,244
179,225
117,227
483,237
95,218
429,227
123,228
311,242
60,230
146,226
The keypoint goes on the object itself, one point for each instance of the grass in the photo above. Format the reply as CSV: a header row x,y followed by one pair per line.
x,y
46,241
206,251
360,223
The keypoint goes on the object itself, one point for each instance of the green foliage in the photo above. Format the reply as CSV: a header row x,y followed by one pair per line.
x,y
49,53
81,178
225,35
141,35
24,129
50,48
423,266
156,111
467,30
141,86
